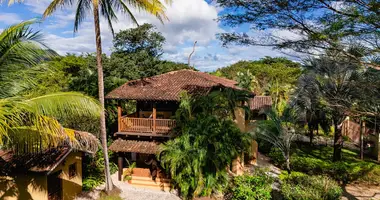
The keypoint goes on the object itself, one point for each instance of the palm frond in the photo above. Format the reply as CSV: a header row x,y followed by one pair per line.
x,y
54,5
62,105
80,14
20,45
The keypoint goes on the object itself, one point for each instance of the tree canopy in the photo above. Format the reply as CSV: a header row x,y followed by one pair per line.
x,y
268,76
317,25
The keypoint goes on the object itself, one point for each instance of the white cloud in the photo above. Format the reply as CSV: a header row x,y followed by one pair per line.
x,y
9,18
189,21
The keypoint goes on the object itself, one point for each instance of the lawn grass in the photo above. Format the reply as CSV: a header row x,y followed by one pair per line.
x,y
317,160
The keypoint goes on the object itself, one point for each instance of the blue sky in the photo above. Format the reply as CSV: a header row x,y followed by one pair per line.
x,y
190,21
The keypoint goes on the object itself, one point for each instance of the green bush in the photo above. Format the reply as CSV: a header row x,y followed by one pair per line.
x,y
250,187
276,157
300,186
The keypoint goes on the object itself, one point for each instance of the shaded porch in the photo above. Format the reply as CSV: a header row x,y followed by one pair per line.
x,y
146,171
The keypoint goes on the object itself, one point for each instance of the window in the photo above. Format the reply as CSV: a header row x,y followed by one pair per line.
x,y
72,170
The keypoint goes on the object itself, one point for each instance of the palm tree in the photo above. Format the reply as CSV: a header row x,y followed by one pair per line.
x,y
107,9
306,99
279,130
33,117
335,79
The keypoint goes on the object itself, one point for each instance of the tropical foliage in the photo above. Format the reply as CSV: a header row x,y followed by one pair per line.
x,y
38,114
279,130
198,158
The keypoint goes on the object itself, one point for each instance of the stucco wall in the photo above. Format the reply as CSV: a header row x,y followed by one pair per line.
x,y
71,186
23,186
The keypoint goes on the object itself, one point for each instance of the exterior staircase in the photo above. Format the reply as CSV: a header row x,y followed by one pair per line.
x,y
141,178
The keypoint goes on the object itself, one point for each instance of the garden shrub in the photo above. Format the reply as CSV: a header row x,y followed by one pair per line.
x,y
300,186
250,187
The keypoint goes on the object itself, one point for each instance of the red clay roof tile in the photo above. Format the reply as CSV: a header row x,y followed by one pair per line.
x,y
168,86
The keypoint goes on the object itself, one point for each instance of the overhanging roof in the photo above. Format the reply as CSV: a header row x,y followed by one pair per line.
x,y
168,86
260,102
134,146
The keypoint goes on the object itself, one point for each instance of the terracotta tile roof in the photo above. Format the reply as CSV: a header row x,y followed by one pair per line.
x,y
121,145
168,86
260,102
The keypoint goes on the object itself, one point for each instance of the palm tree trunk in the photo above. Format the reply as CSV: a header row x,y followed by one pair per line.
x,y
103,133
338,142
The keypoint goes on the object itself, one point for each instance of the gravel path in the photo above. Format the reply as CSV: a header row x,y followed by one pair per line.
x,y
128,192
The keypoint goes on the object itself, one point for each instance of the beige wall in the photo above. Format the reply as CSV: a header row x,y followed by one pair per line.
x,y
34,185
71,186
23,186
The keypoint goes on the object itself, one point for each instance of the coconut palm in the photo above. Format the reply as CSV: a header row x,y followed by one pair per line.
x,y
107,8
33,117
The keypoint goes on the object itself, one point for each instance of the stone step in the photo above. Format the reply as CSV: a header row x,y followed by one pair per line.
x,y
142,178
151,182
154,187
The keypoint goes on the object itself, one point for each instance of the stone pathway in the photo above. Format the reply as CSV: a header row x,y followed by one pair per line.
x,y
361,192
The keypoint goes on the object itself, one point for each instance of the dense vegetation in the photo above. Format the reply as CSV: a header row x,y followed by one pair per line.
x,y
302,186
256,186
199,157
275,77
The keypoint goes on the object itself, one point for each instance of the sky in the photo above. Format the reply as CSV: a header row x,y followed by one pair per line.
x,y
189,21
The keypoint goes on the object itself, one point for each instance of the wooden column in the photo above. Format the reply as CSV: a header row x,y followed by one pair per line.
x,y
119,118
154,117
120,166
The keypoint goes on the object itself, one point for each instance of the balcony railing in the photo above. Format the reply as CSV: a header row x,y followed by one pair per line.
x,y
146,125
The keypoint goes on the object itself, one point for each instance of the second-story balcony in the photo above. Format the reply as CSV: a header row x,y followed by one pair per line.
x,y
146,125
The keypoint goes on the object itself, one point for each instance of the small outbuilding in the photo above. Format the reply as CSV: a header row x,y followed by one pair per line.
x,y
49,174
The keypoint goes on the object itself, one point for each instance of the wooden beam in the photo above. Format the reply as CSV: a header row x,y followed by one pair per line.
x,y
120,166
154,117
119,118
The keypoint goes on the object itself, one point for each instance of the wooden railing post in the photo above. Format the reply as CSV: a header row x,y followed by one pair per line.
x,y
119,118
154,117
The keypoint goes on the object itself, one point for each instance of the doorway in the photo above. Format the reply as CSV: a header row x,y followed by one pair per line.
x,y
54,186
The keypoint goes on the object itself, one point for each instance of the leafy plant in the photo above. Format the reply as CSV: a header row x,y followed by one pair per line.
x,y
207,143
279,131
250,187
127,174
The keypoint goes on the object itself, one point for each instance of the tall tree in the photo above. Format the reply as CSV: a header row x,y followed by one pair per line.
x,y
335,78
308,104
107,8
316,25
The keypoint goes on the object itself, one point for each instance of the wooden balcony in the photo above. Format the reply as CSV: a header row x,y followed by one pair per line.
x,y
145,126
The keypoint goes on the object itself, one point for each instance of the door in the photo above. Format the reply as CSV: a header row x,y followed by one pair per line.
x,y
54,186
